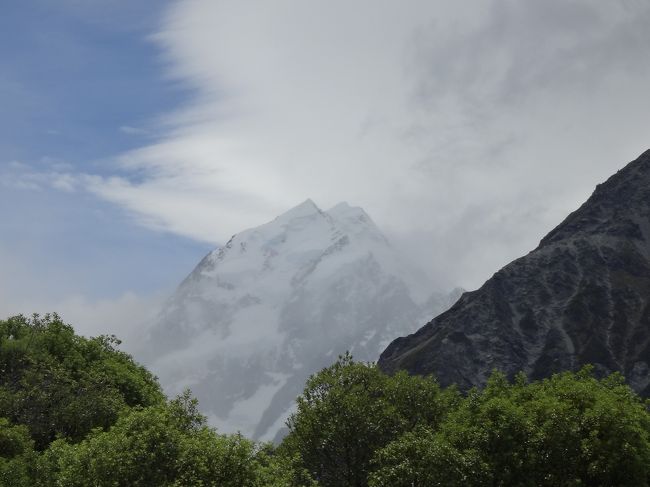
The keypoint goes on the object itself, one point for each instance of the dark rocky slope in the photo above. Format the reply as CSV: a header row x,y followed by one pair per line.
x,y
582,296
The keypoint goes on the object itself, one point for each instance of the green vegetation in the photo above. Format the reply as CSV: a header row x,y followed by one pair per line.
x,y
356,427
61,385
78,412
351,410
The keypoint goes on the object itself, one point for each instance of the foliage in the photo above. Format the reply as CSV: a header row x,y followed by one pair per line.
x,y
350,410
18,459
568,430
281,470
61,385
78,412
355,427
163,445
424,458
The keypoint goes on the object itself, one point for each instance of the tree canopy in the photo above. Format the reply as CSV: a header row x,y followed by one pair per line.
x,y
78,412
355,426
61,385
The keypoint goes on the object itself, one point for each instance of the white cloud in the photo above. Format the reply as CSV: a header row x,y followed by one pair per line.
x,y
57,175
466,130
125,316
129,130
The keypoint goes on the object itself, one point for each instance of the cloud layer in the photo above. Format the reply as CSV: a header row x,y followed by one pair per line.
x,y
466,131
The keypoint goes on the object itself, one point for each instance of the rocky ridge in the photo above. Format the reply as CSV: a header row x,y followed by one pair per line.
x,y
582,296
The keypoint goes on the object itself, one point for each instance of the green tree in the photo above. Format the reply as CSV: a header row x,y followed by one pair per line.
x,y
280,470
59,384
587,431
422,458
350,410
163,445
568,430
78,412
18,459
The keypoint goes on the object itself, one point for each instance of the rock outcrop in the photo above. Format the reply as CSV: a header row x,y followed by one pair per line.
x,y
581,297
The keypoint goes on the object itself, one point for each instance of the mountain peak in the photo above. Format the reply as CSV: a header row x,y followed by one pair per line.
x,y
305,209
344,209
615,207
582,297
350,220
342,206
277,303
355,221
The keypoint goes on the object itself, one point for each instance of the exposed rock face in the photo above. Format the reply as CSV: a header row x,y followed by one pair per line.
x,y
277,303
582,296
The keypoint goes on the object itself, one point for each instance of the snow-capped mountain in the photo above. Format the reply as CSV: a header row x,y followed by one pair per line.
x,y
278,302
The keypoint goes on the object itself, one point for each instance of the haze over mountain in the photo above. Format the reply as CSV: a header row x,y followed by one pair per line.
x,y
278,302
582,296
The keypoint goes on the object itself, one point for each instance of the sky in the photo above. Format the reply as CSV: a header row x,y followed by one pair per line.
x,y
136,136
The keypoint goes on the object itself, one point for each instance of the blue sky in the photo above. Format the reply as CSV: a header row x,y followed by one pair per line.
x,y
79,84
71,77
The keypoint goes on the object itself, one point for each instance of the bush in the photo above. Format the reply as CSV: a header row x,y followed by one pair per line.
x,y
60,385
163,445
350,410
356,426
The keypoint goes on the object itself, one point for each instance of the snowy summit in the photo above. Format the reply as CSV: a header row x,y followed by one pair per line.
x,y
278,302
